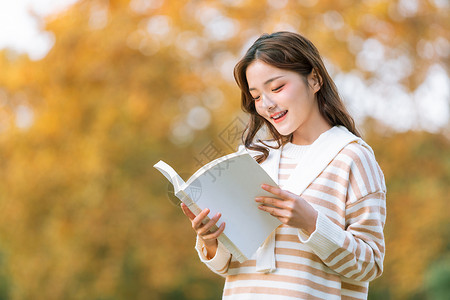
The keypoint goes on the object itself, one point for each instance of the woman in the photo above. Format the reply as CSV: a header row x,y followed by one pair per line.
x,y
331,194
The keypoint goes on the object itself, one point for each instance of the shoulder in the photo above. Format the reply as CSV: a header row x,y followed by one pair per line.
x,y
363,169
358,151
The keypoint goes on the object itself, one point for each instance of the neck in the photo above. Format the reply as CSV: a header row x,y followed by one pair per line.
x,y
310,132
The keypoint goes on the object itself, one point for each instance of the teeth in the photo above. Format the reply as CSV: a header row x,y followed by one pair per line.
x,y
280,115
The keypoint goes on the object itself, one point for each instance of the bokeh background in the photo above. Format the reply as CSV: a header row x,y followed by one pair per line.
x,y
121,84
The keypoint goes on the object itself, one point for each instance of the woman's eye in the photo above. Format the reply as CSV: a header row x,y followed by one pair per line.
x,y
278,88
256,98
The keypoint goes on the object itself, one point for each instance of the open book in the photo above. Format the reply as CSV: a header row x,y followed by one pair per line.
x,y
229,185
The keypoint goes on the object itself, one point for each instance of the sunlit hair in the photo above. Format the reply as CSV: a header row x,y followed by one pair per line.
x,y
288,51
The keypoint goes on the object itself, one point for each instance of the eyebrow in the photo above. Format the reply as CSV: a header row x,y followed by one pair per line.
x,y
268,81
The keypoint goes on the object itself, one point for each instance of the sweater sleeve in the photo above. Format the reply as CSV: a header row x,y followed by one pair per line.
x,y
219,263
357,250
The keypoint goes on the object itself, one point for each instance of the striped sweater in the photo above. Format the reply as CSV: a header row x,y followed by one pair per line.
x,y
338,260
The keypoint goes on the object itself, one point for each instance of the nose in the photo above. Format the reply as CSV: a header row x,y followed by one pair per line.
x,y
267,102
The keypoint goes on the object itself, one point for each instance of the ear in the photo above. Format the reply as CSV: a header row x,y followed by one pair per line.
x,y
315,80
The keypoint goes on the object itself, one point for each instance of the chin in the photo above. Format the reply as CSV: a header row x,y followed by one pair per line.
x,y
284,132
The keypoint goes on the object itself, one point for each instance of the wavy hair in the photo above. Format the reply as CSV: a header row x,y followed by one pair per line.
x,y
294,52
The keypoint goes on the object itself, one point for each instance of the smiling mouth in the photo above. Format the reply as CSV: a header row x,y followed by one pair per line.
x,y
278,117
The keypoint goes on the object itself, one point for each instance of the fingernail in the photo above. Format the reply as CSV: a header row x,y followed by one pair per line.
x,y
258,199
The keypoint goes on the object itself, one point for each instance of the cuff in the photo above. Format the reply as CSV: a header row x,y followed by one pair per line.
x,y
326,238
219,261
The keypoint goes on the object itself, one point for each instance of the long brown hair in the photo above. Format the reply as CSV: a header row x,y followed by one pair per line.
x,y
294,52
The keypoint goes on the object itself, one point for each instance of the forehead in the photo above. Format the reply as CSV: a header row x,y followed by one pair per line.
x,y
259,70
260,75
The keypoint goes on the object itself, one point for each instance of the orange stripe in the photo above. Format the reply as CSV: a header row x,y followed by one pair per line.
x,y
328,190
346,242
247,263
309,269
363,244
381,177
350,180
287,238
343,297
359,165
269,291
354,287
364,210
354,185
371,273
351,269
339,164
284,278
358,248
334,255
335,178
363,269
338,252
283,176
379,195
372,209
346,258
284,157
367,222
324,203
343,261
298,253
336,222
225,268
287,166
375,234
368,259
293,266
377,184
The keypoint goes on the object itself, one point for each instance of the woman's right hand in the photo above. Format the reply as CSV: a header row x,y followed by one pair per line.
x,y
203,228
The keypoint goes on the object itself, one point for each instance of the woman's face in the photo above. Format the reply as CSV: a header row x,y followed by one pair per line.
x,y
284,98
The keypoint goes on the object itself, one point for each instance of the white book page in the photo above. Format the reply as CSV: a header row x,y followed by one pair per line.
x,y
170,174
211,165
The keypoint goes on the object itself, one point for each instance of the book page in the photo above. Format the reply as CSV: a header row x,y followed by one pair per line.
x,y
211,165
170,174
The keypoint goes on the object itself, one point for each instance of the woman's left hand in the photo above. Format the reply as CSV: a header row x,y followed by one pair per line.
x,y
289,208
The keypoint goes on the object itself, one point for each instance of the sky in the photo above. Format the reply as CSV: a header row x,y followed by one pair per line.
x,y
22,31
427,108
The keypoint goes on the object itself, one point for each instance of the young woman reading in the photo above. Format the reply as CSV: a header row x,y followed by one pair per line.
x,y
331,197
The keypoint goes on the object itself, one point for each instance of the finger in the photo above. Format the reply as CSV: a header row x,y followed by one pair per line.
x,y
216,234
276,212
209,225
270,201
187,211
199,219
277,191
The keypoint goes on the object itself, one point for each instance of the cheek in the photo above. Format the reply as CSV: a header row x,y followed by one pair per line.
x,y
261,112
258,109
